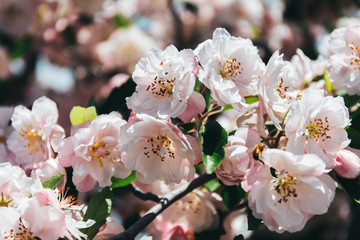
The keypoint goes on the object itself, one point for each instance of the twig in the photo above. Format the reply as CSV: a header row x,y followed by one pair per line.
x,y
165,202
144,196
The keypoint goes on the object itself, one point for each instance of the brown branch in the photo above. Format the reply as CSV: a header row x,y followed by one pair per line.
x,y
165,202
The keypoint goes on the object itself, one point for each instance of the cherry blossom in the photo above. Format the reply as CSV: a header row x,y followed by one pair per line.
x,y
36,134
157,149
347,164
315,124
231,67
277,87
238,156
94,152
165,82
289,189
344,66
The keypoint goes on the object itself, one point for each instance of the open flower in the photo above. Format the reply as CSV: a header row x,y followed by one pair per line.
x,y
315,124
289,189
94,152
36,133
231,67
344,69
277,88
165,82
238,159
157,149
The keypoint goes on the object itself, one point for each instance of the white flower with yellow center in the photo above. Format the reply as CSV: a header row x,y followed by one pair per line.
x,y
36,134
231,68
289,189
157,149
344,66
165,82
315,124
94,152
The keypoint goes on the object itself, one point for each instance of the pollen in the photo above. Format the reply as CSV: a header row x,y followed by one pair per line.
x,y
231,68
33,138
162,86
284,185
99,151
66,202
160,147
22,233
318,129
355,55
281,89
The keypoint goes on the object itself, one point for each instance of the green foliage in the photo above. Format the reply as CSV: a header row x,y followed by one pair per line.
x,y
79,114
118,182
53,181
212,185
214,139
121,21
20,47
208,99
232,196
253,223
350,100
250,100
98,210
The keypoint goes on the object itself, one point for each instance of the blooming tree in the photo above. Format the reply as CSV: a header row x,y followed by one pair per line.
x,y
208,141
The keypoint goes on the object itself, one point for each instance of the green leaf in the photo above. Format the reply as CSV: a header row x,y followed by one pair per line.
x,y
351,100
273,172
250,100
208,99
239,237
226,107
328,83
354,135
53,181
351,186
79,114
212,185
20,47
214,140
121,21
232,195
98,210
118,182
253,223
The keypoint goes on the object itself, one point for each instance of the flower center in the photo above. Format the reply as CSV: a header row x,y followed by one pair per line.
x,y
284,186
318,129
99,151
22,233
190,204
231,68
66,202
281,89
32,137
355,58
159,147
162,86
4,202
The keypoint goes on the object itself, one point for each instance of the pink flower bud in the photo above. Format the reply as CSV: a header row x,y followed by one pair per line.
x,y
347,164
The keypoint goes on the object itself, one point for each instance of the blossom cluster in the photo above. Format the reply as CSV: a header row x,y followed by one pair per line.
x,y
289,138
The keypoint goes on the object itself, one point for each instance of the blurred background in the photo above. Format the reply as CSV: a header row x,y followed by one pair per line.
x,y
77,51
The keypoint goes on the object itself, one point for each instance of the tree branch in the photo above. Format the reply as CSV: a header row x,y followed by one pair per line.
x,y
165,202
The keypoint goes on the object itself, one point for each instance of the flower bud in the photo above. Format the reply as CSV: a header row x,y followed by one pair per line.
x,y
347,164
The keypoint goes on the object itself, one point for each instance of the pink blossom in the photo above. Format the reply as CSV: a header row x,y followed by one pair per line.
x,y
277,87
49,215
109,229
94,152
238,160
48,169
347,164
231,67
287,198
236,223
165,82
344,69
36,134
315,124
157,149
